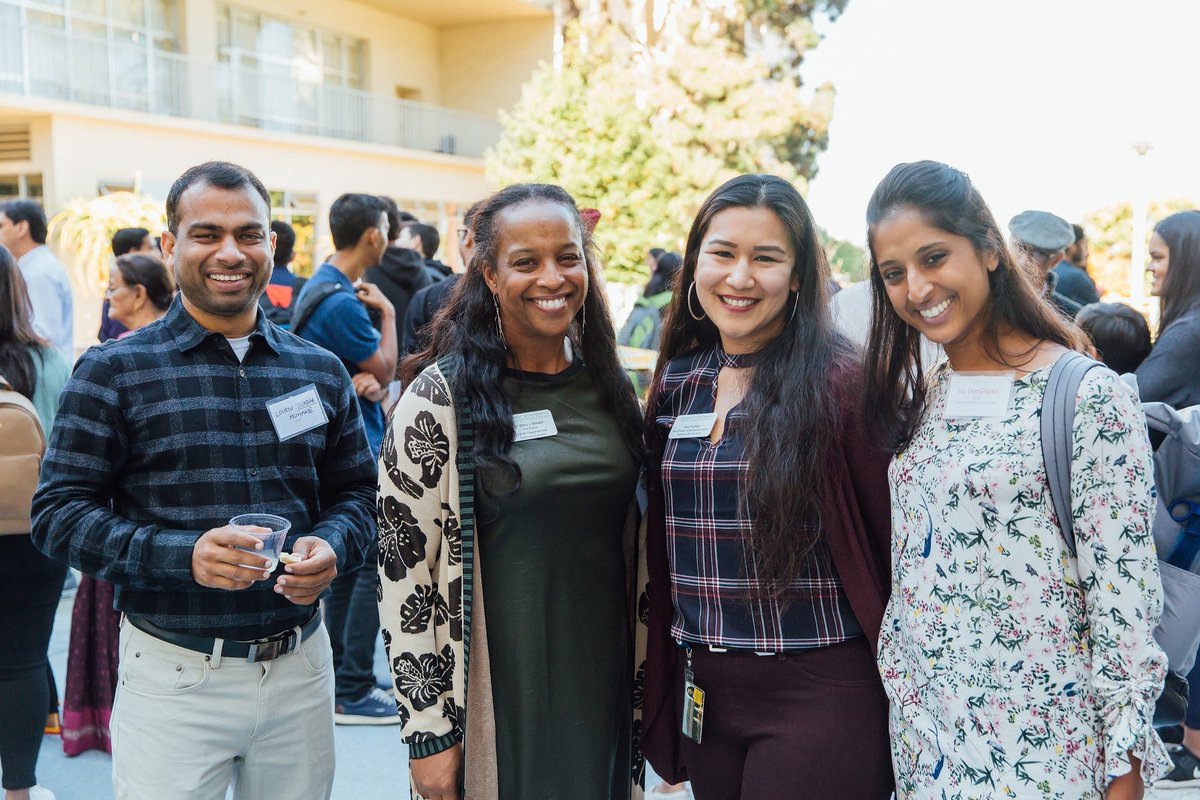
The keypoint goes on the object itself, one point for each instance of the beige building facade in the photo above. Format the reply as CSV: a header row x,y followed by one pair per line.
x,y
318,97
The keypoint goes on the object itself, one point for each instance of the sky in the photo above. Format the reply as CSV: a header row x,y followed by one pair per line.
x,y
1040,101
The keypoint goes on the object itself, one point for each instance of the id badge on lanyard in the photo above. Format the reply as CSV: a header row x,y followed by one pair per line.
x,y
693,702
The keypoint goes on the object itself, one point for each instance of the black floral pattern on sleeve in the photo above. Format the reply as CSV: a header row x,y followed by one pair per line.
x,y
452,534
454,610
423,679
391,465
426,445
401,540
417,611
454,713
431,389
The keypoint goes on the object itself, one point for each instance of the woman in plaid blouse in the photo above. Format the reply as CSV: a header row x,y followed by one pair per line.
x,y
768,521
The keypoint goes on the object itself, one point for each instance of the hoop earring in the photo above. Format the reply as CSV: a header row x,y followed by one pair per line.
x,y
499,326
689,303
795,305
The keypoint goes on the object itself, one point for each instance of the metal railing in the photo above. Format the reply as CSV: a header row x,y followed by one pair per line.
x,y
35,62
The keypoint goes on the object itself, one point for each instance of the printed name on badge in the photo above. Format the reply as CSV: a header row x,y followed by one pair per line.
x,y
978,396
297,412
533,425
689,426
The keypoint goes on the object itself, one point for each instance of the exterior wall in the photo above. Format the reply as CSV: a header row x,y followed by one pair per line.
x,y
89,149
85,150
484,66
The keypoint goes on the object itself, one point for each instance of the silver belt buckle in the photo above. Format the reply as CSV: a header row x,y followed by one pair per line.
x,y
270,649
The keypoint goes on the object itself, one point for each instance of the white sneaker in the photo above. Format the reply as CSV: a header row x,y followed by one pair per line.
x,y
40,793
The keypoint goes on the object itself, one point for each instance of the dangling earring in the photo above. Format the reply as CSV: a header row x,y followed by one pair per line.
x,y
689,303
795,304
499,326
583,320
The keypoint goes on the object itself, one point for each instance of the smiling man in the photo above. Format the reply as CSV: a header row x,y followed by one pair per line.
x,y
208,413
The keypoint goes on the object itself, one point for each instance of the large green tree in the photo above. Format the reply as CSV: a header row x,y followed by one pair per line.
x,y
651,104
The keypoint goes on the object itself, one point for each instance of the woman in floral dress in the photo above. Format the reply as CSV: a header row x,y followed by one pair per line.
x,y
1013,669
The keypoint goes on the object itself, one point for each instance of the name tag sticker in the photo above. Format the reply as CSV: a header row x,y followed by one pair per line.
x,y
297,412
689,426
978,396
533,425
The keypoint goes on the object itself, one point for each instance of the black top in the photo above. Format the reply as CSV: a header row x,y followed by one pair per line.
x,y
1171,373
425,304
1075,284
400,275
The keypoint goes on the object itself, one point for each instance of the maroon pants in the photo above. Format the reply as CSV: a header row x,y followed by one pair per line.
x,y
806,725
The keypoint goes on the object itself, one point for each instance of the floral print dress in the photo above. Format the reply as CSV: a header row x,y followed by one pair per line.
x,y
1014,670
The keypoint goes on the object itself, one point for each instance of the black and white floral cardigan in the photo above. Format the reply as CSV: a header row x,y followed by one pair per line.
x,y
431,590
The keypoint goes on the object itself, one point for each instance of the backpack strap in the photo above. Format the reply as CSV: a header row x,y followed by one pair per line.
x,y
1058,423
308,304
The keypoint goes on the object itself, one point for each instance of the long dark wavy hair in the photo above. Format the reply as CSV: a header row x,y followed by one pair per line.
x,y
465,331
791,406
946,199
19,343
1181,288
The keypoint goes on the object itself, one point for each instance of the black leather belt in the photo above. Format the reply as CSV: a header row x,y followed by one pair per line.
x,y
265,649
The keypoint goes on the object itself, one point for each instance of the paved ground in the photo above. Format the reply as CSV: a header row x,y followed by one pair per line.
x,y
371,761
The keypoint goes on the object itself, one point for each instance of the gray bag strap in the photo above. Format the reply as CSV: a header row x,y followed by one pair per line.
x,y
1058,422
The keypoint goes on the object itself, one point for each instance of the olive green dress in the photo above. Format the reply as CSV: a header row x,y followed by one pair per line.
x,y
555,582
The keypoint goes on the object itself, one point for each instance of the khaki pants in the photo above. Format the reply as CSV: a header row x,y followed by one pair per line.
x,y
187,726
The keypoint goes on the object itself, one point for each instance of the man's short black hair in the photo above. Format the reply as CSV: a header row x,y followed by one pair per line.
x,y
1119,332
393,212
28,211
352,215
1079,234
285,242
127,239
406,217
431,240
221,174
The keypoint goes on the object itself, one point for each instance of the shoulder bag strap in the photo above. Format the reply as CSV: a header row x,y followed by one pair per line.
x,y
1058,422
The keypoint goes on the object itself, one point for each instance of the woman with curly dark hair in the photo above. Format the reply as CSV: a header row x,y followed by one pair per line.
x,y
510,462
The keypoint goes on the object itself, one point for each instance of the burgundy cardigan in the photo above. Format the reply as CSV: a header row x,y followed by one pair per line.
x,y
857,528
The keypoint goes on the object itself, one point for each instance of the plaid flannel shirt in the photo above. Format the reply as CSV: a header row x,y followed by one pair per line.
x,y
714,585
163,435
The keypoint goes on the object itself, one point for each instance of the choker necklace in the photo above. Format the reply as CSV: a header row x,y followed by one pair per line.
x,y
737,360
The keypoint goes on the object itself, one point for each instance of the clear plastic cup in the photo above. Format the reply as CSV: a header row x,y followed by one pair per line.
x,y
272,538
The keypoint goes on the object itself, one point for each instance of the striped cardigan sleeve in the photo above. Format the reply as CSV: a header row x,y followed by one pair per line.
x,y
420,565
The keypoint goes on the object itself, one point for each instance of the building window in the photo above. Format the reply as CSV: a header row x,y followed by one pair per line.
x,y
300,210
116,53
307,55
15,187
280,75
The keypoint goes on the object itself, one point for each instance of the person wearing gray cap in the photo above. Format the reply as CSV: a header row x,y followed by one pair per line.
x,y
1044,237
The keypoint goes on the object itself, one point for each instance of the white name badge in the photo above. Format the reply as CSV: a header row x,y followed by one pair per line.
x,y
533,425
297,412
978,396
689,426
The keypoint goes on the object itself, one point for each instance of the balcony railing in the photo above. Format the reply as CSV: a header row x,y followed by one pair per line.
x,y
50,64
